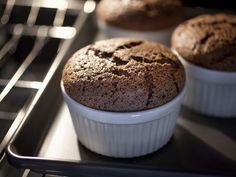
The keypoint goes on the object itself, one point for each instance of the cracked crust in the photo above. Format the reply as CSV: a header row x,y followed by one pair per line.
x,y
151,14
123,75
208,41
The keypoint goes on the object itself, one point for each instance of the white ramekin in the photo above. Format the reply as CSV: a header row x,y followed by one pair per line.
x,y
162,36
210,92
124,134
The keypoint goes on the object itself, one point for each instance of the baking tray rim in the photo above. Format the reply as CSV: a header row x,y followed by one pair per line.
x,y
47,165
52,166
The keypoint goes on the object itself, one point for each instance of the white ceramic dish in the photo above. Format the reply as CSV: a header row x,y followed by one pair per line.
x,y
210,92
162,36
124,134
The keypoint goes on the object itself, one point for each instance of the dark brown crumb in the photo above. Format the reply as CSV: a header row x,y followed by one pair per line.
x,y
208,41
141,15
123,75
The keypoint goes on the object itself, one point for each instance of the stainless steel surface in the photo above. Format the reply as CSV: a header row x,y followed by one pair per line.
x,y
22,74
61,134
7,170
6,14
61,142
195,138
9,45
37,23
38,45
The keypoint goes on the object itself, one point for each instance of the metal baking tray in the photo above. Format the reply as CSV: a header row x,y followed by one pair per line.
x,y
30,40
46,143
201,146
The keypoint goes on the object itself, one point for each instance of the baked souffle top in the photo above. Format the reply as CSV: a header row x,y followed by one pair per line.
x,y
123,75
141,15
208,41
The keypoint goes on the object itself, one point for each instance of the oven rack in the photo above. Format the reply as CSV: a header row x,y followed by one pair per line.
x,y
34,38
